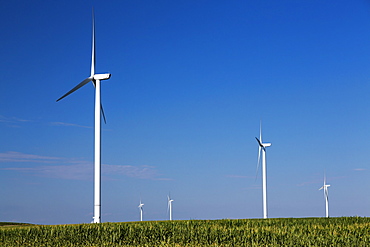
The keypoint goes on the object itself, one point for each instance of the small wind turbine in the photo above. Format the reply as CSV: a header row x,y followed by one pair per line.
x,y
95,79
141,210
326,195
169,206
262,149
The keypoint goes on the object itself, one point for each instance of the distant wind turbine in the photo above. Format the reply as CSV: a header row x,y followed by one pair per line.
x,y
95,79
169,206
141,210
262,150
326,195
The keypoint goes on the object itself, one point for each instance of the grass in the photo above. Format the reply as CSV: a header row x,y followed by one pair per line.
x,y
343,231
13,224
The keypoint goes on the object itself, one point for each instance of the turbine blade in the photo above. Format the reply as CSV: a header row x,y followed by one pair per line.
x,y
261,132
93,46
83,83
259,142
102,112
101,105
258,162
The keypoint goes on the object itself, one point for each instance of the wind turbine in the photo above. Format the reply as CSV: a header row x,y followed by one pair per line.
x,y
95,79
169,206
326,195
262,150
141,210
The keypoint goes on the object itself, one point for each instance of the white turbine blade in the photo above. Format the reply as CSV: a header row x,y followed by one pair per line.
x,y
258,161
102,113
101,105
261,132
321,188
263,145
83,83
93,46
326,193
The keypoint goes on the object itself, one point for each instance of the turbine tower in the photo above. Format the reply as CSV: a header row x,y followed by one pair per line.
x,y
326,195
141,210
95,79
169,207
262,150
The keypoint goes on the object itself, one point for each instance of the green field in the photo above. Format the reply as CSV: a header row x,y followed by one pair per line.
x,y
344,231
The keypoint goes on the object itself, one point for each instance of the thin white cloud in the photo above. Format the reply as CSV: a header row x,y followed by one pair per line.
x,y
253,187
70,172
359,169
12,119
237,176
21,157
143,172
69,125
15,122
84,171
75,169
309,183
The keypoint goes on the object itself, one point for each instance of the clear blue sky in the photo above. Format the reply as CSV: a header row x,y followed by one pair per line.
x,y
191,81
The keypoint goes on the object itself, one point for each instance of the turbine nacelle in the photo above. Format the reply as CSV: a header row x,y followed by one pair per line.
x,y
325,187
101,76
263,145
266,145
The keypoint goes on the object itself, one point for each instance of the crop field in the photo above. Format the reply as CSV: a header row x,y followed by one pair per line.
x,y
344,231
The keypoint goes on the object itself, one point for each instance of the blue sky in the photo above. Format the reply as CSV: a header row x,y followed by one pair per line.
x,y
191,81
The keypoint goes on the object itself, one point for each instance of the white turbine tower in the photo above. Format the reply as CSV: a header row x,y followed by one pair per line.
x,y
95,79
169,206
141,210
326,195
262,149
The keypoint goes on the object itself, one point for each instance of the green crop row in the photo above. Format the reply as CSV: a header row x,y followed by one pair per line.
x,y
344,231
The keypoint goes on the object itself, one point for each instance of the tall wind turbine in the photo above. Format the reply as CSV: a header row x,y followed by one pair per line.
x,y
262,150
141,210
95,79
326,195
169,207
